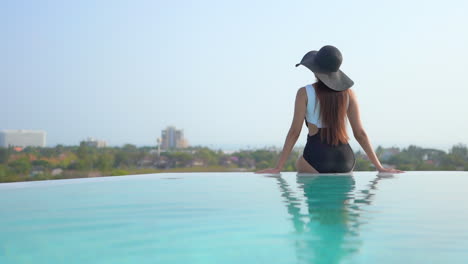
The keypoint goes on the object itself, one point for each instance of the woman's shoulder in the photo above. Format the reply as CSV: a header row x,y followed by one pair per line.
x,y
352,95
306,90
302,90
301,95
352,100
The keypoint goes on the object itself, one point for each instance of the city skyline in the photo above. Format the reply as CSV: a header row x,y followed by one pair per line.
x,y
91,141
122,72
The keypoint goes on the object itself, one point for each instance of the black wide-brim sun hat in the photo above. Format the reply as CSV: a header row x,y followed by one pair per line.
x,y
326,63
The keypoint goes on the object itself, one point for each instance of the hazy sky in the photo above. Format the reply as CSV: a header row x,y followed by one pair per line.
x,y
224,71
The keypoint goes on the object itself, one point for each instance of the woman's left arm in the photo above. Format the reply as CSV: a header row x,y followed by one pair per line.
x,y
294,131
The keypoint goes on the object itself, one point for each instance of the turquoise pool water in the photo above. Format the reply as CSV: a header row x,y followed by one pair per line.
x,y
416,217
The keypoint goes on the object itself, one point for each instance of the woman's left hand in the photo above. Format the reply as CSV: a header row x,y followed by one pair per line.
x,y
269,171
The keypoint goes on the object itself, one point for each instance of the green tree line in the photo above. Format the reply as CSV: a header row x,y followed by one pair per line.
x,y
34,163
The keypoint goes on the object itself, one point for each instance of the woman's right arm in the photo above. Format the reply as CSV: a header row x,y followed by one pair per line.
x,y
360,134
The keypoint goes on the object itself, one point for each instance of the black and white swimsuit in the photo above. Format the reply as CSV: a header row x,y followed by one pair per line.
x,y
324,157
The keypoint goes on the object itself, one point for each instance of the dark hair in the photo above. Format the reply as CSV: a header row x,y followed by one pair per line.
x,y
333,108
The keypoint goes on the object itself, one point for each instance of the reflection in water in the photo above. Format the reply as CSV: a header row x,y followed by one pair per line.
x,y
328,232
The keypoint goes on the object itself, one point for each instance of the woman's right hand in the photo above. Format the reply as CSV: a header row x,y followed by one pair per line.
x,y
389,170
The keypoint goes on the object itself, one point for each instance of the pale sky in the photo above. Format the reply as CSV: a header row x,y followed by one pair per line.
x,y
223,71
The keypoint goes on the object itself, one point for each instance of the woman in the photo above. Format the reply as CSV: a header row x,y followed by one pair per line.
x,y
325,105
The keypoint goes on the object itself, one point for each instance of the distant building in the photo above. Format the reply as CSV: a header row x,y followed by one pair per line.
x,y
171,138
92,142
56,171
22,138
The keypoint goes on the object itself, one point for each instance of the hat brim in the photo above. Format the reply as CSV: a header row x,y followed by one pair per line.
x,y
337,81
